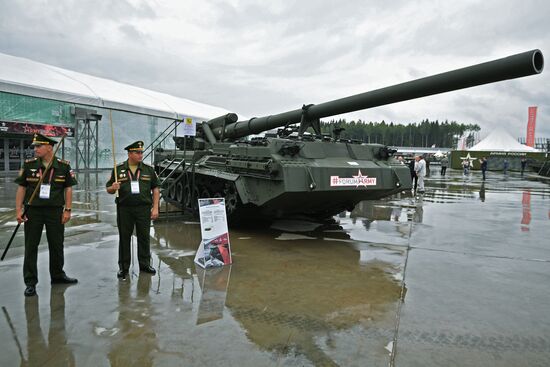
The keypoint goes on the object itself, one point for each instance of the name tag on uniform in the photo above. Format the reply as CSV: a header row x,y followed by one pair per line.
x,y
45,191
135,187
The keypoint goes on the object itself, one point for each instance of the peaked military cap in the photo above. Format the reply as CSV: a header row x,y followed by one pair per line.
x,y
135,146
39,139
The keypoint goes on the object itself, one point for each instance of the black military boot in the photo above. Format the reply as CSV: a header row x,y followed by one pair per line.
x,y
30,291
122,274
147,269
64,280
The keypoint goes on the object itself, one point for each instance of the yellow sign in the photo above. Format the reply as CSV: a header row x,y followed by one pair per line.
x,y
189,127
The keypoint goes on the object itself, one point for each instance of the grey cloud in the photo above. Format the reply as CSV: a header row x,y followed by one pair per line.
x,y
66,15
133,34
482,27
294,46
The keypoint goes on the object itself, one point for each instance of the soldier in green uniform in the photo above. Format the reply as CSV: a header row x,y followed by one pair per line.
x,y
138,203
51,206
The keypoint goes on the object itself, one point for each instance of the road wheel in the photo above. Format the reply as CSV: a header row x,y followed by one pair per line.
x,y
232,201
172,190
179,192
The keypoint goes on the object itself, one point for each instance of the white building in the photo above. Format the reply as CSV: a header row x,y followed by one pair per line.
x,y
36,97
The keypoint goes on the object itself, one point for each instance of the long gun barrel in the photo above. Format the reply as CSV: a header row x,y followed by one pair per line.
x,y
511,67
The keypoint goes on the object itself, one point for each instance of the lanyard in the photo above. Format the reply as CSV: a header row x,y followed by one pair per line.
x,y
137,176
51,174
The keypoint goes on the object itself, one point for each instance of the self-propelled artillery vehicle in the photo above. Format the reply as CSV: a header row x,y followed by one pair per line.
x,y
293,171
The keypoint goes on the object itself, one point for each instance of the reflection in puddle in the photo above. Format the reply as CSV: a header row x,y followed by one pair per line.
x,y
299,293
55,349
213,283
293,236
313,300
135,342
301,299
295,225
526,212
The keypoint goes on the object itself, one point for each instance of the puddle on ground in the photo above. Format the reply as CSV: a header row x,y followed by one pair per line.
x,y
299,293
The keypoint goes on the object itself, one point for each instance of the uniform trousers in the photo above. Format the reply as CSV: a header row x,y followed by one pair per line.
x,y
38,217
128,218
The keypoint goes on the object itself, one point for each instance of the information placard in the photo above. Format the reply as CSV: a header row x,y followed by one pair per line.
x,y
187,127
214,249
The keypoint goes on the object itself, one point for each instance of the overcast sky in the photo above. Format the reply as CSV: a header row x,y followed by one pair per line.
x,y
262,57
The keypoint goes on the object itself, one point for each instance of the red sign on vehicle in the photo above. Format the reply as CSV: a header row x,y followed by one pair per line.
x,y
356,181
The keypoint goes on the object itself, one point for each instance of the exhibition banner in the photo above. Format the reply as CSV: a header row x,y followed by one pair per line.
x,y
531,123
20,127
214,249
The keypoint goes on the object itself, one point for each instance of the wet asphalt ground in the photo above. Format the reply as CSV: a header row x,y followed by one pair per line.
x,y
458,276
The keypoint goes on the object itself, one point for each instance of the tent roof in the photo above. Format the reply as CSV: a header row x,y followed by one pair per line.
x,y
23,76
501,141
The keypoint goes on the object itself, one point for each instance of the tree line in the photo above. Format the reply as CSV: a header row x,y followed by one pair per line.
x,y
423,134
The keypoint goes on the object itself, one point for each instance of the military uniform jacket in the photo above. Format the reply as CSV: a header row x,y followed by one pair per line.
x,y
59,176
145,175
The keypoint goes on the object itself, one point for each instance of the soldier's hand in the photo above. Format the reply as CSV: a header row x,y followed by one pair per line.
x,y
154,214
20,217
65,217
115,186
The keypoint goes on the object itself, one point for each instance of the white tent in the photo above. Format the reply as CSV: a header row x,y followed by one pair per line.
x,y
501,141
26,77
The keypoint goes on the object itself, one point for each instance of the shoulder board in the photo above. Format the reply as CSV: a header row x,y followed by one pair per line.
x,y
31,160
146,165
63,161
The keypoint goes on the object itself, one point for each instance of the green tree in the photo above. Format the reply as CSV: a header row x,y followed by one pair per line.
x,y
420,134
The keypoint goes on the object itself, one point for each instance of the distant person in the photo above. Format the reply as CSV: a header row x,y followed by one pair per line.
x,y
466,166
414,178
505,166
444,165
523,165
427,160
400,159
483,163
420,170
